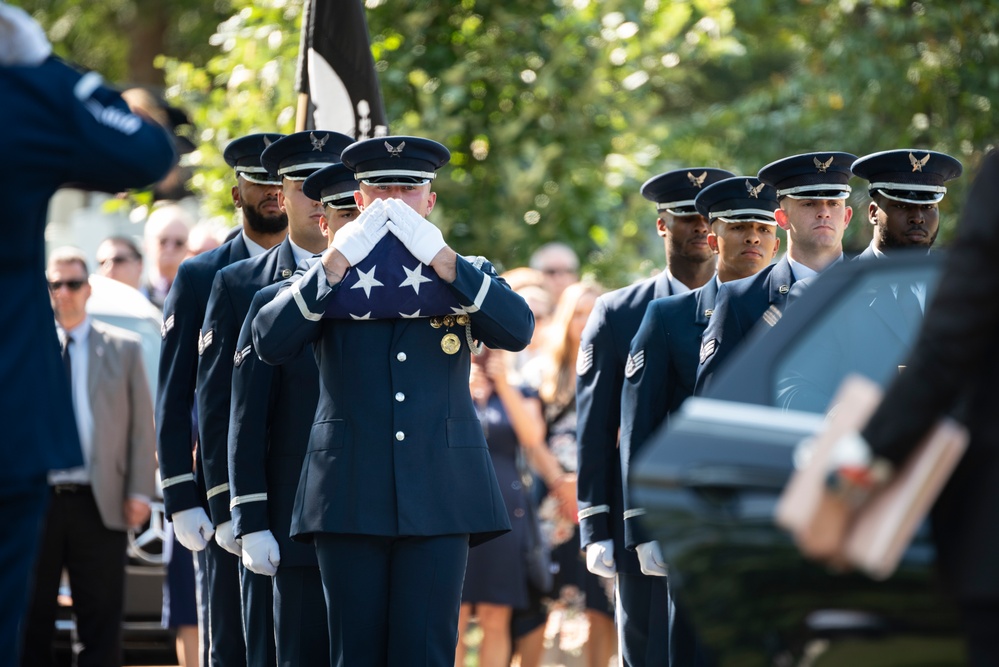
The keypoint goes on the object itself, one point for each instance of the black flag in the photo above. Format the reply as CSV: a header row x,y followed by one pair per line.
x,y
336,73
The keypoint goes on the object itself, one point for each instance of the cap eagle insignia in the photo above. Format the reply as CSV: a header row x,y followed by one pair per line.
x,y
697,181
822,166
395,151
317,143
917,165
754,192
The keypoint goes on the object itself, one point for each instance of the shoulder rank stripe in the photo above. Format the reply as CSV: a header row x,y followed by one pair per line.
x,y
205,340
584,359
166,326
592,511
635,363
708,348
241,356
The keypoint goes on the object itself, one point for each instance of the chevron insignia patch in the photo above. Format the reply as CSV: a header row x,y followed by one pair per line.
x,y
205,340
166,326
708,348
584,359
635,363
241,355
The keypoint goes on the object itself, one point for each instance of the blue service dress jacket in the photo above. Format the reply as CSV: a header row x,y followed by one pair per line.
x,y
739,305
600,365
272,412
232,292
61,127
658,377
396,448
183,314
869,335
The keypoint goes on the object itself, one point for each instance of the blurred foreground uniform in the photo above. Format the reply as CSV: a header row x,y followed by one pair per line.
x,y
61,127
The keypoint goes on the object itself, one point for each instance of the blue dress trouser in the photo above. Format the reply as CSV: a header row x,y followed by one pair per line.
x,y
393,601
225,627
300,621
23,504
257,594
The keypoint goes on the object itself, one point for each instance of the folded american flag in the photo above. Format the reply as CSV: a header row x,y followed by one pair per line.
x,y
389,284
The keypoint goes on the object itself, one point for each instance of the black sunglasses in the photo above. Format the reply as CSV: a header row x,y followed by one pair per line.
x,y
73,285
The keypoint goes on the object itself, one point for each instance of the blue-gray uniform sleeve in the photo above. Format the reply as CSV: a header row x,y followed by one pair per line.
x,y
248,428
175,395
598,394
722,335
501,318
295,316
115,149
216,345
644,407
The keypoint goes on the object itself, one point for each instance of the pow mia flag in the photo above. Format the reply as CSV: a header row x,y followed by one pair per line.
x,y
338,88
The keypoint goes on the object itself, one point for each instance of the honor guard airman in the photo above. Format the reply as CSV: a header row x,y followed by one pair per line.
x,y
290,159
811,189
662,364
642,610
906,187
264,226
397,481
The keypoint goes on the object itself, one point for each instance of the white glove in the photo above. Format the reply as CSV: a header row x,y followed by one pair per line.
x,y
600,558
261,554
357,238
193,528
225,538
650,559
418,234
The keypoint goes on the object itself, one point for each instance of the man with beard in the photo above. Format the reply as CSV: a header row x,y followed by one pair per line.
x,y
264,226
642,602
906,188
292,159
270,423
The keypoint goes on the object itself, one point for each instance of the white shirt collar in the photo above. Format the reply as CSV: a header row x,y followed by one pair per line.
x,y
299,252
252,247
801,271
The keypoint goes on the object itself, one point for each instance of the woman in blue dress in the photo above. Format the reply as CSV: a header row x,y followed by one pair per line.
x,y
496,576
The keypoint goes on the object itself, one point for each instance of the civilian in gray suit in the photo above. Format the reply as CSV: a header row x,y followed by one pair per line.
x,y
92,506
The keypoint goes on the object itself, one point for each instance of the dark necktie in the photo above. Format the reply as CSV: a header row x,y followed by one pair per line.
x,y
67,360
908,303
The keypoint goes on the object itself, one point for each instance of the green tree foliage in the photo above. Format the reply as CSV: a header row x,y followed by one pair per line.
x,y
246,87
557,110
121,38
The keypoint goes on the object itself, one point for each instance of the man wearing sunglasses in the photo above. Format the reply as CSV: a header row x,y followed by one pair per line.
x,y
91,507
